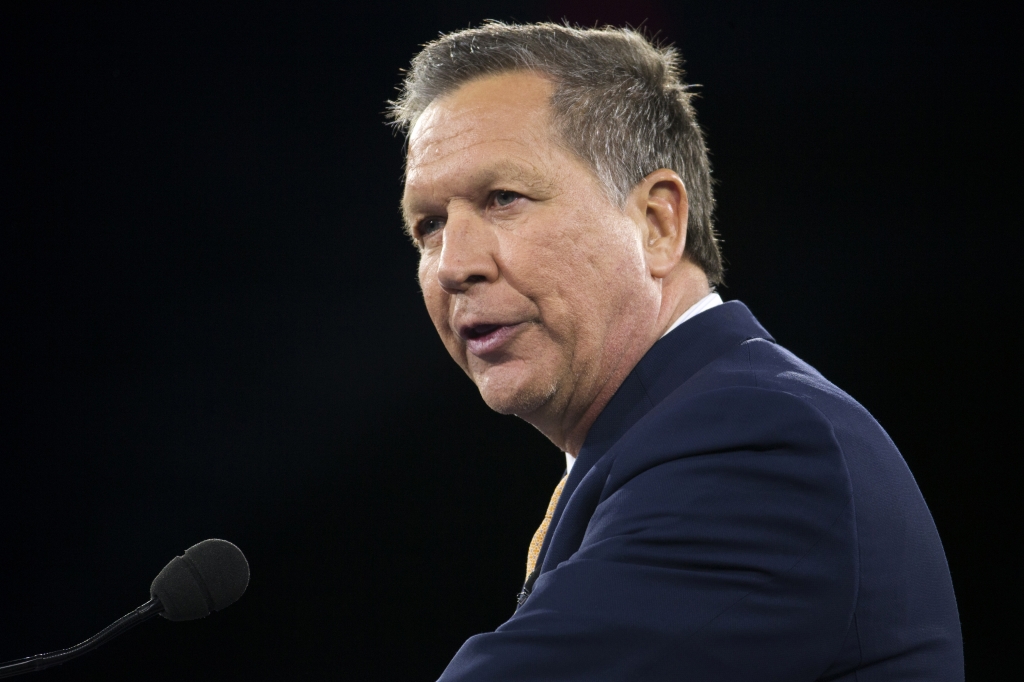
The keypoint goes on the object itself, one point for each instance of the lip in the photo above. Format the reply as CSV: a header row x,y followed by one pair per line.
x,y
482,339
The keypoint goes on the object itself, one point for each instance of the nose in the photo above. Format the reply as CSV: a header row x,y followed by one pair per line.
x,y
467,254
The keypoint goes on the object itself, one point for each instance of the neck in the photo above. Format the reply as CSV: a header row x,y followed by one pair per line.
x,y
684,287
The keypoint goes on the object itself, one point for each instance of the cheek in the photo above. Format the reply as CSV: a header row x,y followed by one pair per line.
x,y
437,303
432,294
604,283
591,265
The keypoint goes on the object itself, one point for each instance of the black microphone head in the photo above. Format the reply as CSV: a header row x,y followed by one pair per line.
x,y
209,576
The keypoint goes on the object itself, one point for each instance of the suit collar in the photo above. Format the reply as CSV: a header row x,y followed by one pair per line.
x,y
668,364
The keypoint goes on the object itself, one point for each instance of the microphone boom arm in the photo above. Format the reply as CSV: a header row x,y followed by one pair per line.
x,y
42,661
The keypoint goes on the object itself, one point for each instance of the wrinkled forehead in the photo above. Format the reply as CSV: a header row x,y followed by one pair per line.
x,y
513,108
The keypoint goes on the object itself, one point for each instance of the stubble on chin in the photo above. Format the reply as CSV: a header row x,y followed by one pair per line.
x,y
520,398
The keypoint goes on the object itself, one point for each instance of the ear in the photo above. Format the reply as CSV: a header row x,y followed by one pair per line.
x,y
661,199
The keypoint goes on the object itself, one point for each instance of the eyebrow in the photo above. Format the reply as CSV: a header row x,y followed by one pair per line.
x,y
504,170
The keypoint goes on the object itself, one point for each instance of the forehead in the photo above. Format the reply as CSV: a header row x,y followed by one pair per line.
x,y
491,126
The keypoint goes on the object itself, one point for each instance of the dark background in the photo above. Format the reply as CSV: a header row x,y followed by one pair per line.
x,y
211,325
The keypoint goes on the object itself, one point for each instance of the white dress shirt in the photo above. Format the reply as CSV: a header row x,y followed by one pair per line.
x,y
706,303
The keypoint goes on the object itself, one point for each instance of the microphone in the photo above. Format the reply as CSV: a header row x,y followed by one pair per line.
x,y
210,576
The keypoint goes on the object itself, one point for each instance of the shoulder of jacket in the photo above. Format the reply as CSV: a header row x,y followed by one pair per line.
x,y
732,418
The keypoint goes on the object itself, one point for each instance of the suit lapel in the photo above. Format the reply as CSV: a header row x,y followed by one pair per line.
x,y
667,365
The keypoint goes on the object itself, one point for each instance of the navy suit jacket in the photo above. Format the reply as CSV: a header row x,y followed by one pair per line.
x,y
731,516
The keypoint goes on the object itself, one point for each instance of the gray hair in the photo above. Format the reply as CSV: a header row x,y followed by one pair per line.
x,y
620,104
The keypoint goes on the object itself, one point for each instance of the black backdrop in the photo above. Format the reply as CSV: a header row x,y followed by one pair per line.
x,y
211,325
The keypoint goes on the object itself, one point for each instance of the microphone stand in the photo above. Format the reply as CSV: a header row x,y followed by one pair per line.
x,y
123,624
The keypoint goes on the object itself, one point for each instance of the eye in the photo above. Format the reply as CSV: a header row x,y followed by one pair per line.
x,y
503,197
428,226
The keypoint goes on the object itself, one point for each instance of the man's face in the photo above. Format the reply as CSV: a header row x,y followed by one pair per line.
x,y
535,280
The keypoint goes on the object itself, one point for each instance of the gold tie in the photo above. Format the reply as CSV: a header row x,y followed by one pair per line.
x,y
538,537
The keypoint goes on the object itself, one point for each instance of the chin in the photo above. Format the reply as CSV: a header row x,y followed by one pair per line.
x,y
515,398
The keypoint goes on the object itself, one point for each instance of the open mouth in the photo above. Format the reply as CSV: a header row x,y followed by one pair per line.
x,y
479,331
482,339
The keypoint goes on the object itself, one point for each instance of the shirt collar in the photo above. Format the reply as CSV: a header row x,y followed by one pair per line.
x,y
706,303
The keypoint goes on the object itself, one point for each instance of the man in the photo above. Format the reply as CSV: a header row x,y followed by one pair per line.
x,y
727,513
